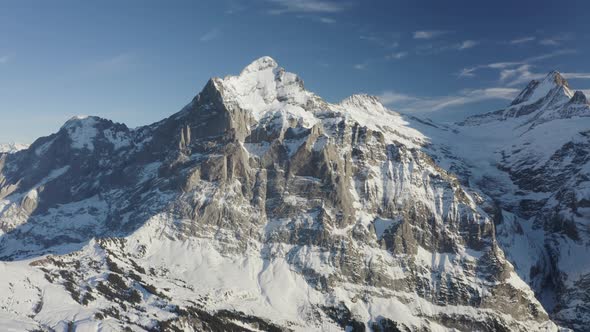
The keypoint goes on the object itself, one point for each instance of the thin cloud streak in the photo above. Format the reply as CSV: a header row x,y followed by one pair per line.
x,y
115,62
327,20
556,40
392,98
467,44
549,42
574,76
409,103
549,55
360,66
210,35
234,7
544,41
470,71
388,43
436,48
306,6
523,74
396,56
428,34
522,40
519,75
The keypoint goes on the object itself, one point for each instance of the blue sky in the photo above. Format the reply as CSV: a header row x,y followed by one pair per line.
x,y
137,62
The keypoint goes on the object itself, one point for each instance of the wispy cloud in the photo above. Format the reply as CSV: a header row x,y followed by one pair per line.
x,y
575,76
519,72
327,20
210,35
396,98
467,44
396,55
512,65
117,61
428,34
361,66
522,40
467,72
234,7
549,42
306,6
524,74
4,59
549,55
110,64
470,71
519,75
388,42
546,40
556,40
443,46
472,96
409,103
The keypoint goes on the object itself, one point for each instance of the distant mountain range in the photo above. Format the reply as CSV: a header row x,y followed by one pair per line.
x,y
12,147
261,207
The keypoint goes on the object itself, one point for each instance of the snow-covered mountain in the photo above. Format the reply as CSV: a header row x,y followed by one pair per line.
x,y
545,150
259,206
540,102
532,161
12,147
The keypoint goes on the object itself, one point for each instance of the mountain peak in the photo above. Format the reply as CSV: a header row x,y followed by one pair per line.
x,y
539,89
579,98
363,100
82,130
262,86
85,132
261,64
540,101
78,120
556,78
369,110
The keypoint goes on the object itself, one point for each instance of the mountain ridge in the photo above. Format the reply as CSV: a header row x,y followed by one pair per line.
x,y
541,101
12,147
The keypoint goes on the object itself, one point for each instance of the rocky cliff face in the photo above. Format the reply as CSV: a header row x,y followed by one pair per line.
x,y
259,206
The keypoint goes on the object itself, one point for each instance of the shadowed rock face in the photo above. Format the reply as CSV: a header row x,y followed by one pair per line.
x,y
340,196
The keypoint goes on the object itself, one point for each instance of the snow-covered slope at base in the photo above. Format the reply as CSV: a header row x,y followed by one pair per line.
x,y
170,272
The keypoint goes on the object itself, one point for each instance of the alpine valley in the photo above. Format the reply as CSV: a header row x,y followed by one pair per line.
x,y
261,207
